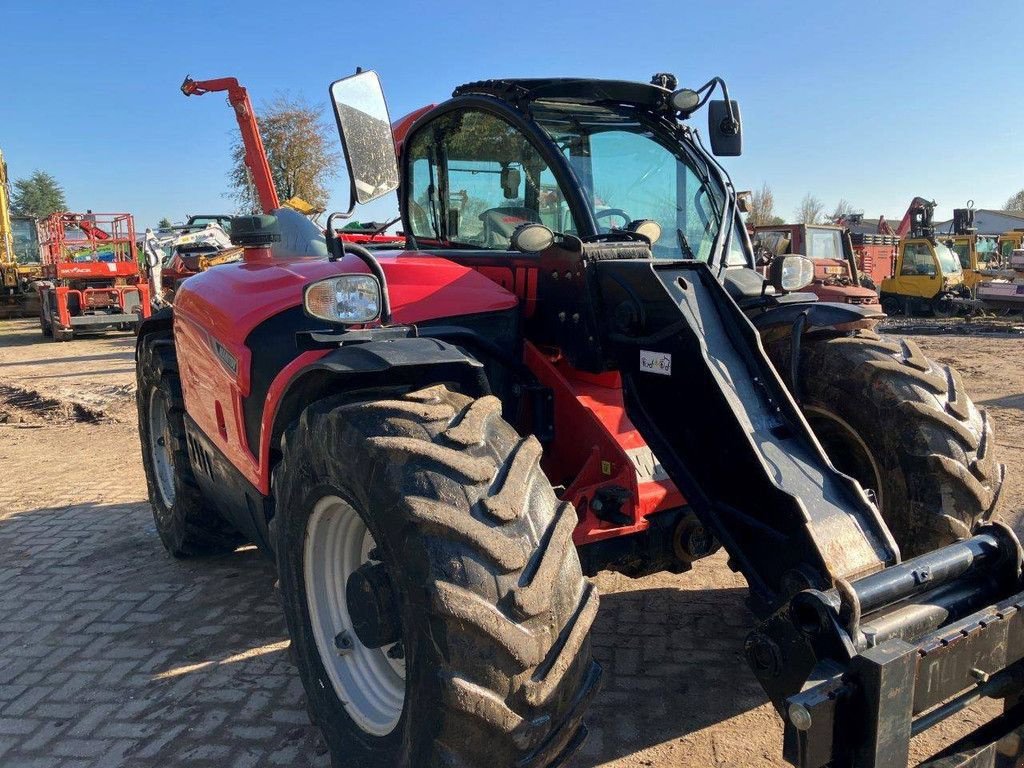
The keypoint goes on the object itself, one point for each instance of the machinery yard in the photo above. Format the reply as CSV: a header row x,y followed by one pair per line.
x,y
491,413
113,653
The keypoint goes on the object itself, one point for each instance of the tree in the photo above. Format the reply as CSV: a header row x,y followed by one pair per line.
x,y
810,210
762,207
842,210
298,150
38,196
165,223
1015,203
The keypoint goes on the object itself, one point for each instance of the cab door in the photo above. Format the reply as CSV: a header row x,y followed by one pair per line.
x,y
473,177
917,271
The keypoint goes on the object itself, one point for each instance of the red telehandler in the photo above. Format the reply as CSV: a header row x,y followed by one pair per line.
x,y
574,366
91,275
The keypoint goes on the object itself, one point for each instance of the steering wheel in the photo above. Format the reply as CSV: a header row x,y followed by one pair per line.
x,y
613,212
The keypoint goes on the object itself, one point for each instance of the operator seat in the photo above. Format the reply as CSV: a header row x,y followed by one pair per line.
x,y
500,223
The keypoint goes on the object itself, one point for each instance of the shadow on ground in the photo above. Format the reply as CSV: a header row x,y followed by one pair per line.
x,y
674,664
109,643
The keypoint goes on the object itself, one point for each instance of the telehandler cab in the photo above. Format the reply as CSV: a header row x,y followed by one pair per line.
x,y
574,349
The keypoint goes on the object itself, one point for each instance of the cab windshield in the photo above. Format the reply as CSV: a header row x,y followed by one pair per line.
x,y
26,241
986,249
824,243
630,170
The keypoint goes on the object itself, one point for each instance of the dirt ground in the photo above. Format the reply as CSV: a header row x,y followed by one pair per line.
x,y
112,653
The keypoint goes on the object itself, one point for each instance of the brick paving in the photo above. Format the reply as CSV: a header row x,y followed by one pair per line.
x,y
114,654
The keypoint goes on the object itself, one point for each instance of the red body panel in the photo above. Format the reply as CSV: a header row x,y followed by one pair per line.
x,y
877,261
214,304
590,408
605,448
93,270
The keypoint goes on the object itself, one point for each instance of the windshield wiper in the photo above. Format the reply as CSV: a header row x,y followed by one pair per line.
x,y
684,246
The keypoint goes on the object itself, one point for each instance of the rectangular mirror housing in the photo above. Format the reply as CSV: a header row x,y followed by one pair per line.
x,y
365,130
725,131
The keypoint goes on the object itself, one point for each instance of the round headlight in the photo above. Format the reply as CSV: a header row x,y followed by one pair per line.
x,y
348,299
791,273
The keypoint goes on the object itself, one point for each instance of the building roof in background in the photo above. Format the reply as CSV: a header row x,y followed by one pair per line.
x,y
870,226
989,221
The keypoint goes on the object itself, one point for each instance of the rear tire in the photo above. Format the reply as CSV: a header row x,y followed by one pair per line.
x,y
493,612
904,427
187,527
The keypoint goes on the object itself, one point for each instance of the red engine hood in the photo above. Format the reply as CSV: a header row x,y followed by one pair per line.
x,y
234,298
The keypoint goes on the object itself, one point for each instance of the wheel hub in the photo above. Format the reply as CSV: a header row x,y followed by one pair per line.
x,y
373,607
161,457
350,600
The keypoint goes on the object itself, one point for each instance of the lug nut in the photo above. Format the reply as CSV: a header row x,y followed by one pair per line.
x,y
343,642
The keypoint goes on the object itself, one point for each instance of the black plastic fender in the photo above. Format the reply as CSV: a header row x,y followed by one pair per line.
x,y
819,315
415,352
393,362
161,320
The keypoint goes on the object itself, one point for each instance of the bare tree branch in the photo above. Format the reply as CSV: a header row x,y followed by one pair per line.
x,y
809,210
299,152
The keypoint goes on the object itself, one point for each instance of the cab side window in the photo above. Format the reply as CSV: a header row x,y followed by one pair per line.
x,y
917,260
475,178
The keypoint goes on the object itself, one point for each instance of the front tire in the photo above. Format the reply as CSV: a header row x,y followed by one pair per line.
x,y
187,527
475,575
904,427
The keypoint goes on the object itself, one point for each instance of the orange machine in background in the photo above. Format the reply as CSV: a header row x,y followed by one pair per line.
x,y
91,273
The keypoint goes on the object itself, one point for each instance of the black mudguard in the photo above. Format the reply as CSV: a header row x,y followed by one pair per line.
x,y
819,315
412,361
161,320
417,352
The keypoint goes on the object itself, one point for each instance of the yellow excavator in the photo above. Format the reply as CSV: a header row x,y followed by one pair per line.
x,y
20,265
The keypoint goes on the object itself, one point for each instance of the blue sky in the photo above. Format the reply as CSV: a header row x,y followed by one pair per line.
x,y
874,103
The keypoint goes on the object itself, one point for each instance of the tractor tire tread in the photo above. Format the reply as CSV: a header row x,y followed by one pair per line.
x,y
190,528
933,443
503,592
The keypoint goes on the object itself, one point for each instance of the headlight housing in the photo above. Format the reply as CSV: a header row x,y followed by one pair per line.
x,y
791,273
347,299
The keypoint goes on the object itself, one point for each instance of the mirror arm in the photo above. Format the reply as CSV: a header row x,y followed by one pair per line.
x,y
709,86
337,249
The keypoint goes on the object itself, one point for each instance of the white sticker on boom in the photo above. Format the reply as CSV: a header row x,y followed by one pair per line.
x,y
656,362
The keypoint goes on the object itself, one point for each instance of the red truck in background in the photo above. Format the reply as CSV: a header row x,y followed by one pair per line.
x,y
836,275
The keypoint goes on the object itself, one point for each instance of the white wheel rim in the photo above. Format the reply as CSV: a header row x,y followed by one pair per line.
x,y
369,683
855,437
160,447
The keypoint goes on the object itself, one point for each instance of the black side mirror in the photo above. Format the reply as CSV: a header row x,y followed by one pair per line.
x,y
365,130
725,128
